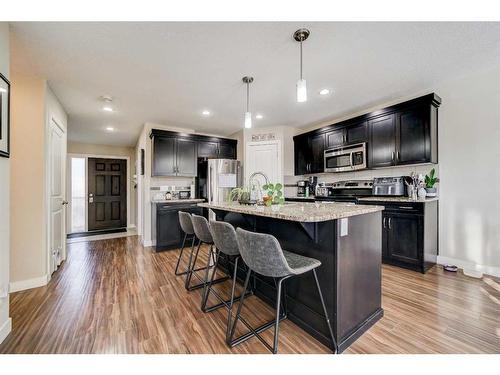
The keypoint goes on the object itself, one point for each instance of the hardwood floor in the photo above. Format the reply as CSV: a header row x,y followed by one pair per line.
x,y
114,296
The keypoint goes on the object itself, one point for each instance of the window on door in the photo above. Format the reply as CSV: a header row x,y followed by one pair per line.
x,y
78,195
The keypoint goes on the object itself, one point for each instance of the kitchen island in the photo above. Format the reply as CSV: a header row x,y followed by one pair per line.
x,y
346,238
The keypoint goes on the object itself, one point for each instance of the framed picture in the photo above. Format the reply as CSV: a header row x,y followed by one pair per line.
x,y
4,116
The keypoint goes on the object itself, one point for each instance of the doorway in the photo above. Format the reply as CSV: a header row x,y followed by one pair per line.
x,y
99,197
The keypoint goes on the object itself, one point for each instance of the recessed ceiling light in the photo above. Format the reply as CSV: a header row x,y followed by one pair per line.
x,y
107,108
205,113
110,128
259,117
324,92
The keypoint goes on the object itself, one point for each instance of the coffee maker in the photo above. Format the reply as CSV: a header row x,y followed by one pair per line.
x,y
313,182
302,188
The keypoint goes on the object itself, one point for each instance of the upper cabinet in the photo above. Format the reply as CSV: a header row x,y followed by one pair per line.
x,y
402,134
176,154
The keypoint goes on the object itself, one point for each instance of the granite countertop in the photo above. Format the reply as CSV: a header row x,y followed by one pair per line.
x,y
298,211
175,201
397,199
309,198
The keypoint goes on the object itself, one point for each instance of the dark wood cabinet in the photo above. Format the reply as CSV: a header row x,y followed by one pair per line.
x,y
413,136
402,236
176,154
168,231
227,150
335,138
164,156
208,149
301,155
409,234
402,134
186,158
317,145
382,147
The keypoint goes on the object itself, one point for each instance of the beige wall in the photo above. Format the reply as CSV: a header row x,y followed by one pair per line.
x,y
28,252
105,150
5,322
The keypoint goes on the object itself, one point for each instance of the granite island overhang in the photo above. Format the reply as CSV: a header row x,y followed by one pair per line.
x,y
346,238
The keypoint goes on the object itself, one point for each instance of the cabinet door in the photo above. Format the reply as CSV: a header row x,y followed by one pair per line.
x,y
335,138
208,149
317,154
168,230
414,141
301,155
382,147
356,133
164,156
227,150
186,158
403,238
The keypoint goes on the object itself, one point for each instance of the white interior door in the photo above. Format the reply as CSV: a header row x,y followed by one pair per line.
x,y
264,157
57,202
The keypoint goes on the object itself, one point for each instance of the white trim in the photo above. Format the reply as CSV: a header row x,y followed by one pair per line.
x,y
470,268
87,156
5,329
148,243
17,286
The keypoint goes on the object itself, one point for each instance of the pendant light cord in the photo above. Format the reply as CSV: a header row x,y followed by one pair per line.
x,y
248,94
301,59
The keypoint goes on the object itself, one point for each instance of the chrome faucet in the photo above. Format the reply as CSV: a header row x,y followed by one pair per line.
x,y
251,184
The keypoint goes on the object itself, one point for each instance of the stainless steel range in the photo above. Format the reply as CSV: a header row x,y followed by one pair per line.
x,y
344,191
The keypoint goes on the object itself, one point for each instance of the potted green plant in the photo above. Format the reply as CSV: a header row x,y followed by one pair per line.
x,y
240,194
274,194
430,182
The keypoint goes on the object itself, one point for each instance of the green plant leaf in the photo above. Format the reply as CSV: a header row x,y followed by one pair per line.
x,y
278,186
279,194
269,193
282,200
270,187
265,187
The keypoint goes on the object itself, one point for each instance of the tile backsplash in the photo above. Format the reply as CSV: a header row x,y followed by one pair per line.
x,y
367,174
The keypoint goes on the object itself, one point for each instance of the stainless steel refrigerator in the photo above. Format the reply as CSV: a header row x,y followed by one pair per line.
x,y
223,175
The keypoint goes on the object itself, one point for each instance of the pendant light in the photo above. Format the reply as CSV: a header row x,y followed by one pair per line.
x,y
248,115
300,35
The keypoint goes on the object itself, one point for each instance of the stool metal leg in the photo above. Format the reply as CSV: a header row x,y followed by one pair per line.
x,y
238,311
335,348
193,269
277,324
177,273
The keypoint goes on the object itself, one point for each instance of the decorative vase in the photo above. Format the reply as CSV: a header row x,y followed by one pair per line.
x,y
422,193
431,192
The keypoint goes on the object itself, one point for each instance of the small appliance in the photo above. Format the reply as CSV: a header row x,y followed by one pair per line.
x,y
313,182
303,188
184,194
344,191
392,186
345,158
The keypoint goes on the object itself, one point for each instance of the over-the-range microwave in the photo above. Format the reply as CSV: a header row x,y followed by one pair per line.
x,y
346,158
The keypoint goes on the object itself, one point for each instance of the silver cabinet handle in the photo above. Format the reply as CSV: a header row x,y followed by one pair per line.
x,y
392,157
397,156
383,222
390,223
406,207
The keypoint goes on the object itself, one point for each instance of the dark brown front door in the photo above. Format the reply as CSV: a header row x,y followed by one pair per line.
x,y
107,193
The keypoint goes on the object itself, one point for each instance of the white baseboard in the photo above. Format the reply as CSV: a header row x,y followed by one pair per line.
x,y
470,268
131,226
17,286
148,243
5,329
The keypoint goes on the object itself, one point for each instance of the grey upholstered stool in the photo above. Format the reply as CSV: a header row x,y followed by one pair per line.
x,y
187,228
224,237
263,255
202,232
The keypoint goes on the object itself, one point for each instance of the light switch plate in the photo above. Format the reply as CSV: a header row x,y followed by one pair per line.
x,y
4,291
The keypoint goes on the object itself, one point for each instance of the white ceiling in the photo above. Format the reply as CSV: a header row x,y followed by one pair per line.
x,y
167,73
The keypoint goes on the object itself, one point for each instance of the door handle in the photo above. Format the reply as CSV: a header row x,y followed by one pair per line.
x,y
64,202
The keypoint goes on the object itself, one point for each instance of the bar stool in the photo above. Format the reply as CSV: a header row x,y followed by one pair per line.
x,y
224,237
202,232
187,228
263,255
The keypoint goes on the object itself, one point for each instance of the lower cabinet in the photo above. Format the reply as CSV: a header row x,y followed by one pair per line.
x,y
169,234
409,234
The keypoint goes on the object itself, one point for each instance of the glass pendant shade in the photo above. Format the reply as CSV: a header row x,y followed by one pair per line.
x,y
248,120
301,91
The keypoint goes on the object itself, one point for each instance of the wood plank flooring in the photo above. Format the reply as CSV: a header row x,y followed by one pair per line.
x,y
114,296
